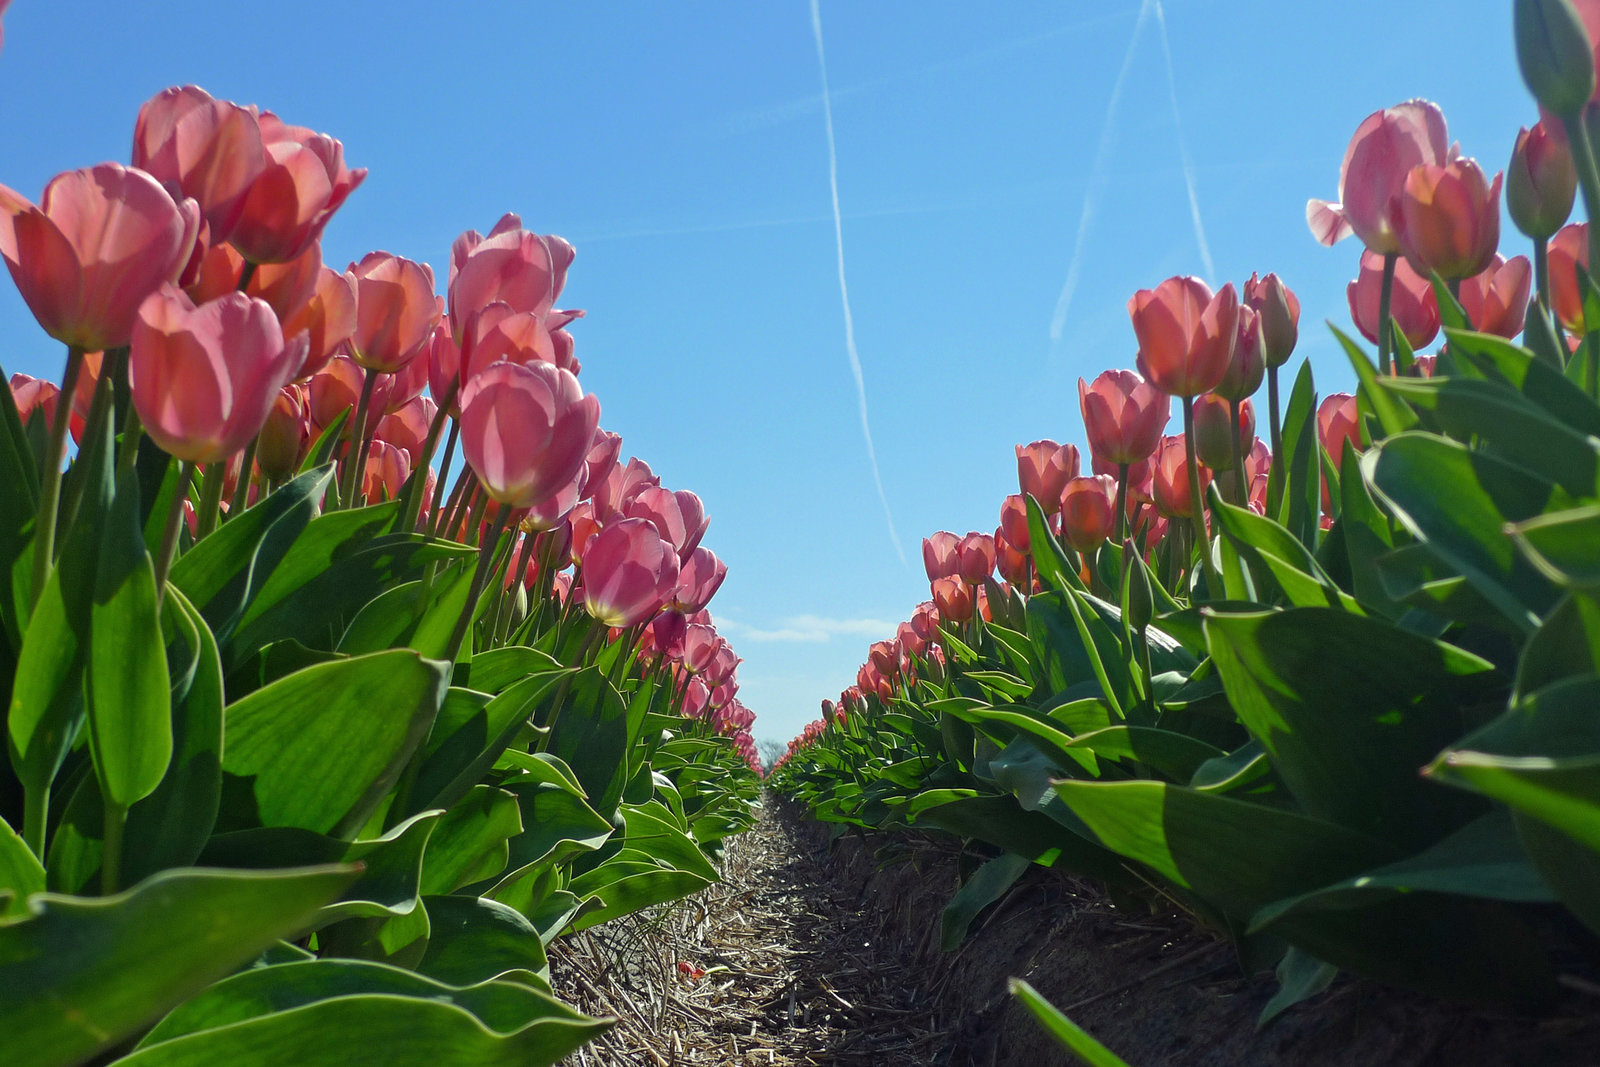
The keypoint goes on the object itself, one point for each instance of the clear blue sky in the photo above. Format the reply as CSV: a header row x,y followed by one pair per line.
x,y
682,149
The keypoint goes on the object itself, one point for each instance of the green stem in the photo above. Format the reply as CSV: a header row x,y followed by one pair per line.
x,y
35,815
44,539
246,274
1541,272
100,408
210,498
1122,502
111,856
417,484
241,491
1273,426
438,485
1385,298
1196,504
1588,181
1234,443
354,457
169,532
132,431
486,553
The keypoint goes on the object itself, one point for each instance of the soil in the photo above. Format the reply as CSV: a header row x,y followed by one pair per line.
x,y
826,952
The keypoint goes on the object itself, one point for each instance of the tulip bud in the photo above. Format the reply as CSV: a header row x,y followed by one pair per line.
x,y
1247,367
1212,418
1138,599
1279,310
1541,182
1555,54
1088,511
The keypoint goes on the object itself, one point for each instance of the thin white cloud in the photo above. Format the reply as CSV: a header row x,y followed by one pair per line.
x,y
844,291
1097,180
1183,151
811,629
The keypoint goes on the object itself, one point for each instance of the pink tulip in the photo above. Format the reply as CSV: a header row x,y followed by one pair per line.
x,y
953,599
699,578
525,430
523,269
1385,147
203,379
620,486
975,557
1212,417
1248,365
1569,249
1338,421
628,572
1496,301
665,635
1279,309
327,319
1449,218
407,428
925,620
561,340
1009,560
1541,181
34,394
1088,511
1014,519
202,148
601,460
1123,416
303,182
700,644
1186,334
334,390
444,366
553,513
1412,303
395,311
98,243
939,555
385,473
1170,480
1043,468
497,332
285,434
693,513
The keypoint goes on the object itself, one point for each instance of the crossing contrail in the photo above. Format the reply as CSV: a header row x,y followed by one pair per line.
x,y
844,291
1097,177
1183,152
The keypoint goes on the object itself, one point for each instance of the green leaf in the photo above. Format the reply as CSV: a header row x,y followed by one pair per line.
x,y
1563,545
46,697
1298,495
469,844
1348,708
591,737
652,832
633,891
1391,413
320,748
987,885
1496,359
1301,976
130,714
21,873
82,974
475,939
1566,645
1067,1033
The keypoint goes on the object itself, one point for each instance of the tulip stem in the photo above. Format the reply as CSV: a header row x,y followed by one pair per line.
x,y
169,532
1385,299
116,820
1122,502
596,631
444,467
93,433
44,540
1237,446
1541,272
241,491
1588,180
1196,505
416,485
486,553
210,498
354,457
1272,413
245,275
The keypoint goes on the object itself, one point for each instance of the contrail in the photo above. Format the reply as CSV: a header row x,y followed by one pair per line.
x,y
1097,178
1183,152
844,292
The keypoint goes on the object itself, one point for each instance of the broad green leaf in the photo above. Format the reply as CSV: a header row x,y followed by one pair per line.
x,y
82,974
1496,359
1391,413
637,891
1563,545
469,843
21,873
320,748
1566,645
46,697
1296,490
1348,708
557,825
652,833
1301,976
1571,869
474,940
591,737
1067,1033
987,885
1273,551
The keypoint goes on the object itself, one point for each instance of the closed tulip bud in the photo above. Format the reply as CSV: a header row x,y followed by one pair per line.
x,y
1014,519
99,242
1010,561
628,571
203,148
1449,219
1247,367
1412,305
285,434
34,394
395,311
1338,421
975,557
407,428
1088,511
333,391
939,557
1186,334
953,598
385,473
1138,599
700,643
1555,54
695,524
1568,250
525,431
1123,416
1496,301
1385,147
1279,310
302,183
203,379
1043,469
1212,417
1541,182
885,656
1170,480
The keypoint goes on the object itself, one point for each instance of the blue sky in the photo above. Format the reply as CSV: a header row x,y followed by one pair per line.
x,y
682,149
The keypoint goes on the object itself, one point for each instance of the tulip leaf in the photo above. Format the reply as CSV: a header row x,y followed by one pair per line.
x,y
1496,359
591,736
1570,868
469,844
471,733
82,974
21,873
557,826
1563,545
19,491
1301,976
319,748
1055,568
46,697
1458,502
1392,415
652,832
474,940
987,885
1566,645
1293,492
1068,1034
634,890
130,717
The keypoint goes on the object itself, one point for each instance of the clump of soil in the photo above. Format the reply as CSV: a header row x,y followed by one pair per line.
x,y
824,952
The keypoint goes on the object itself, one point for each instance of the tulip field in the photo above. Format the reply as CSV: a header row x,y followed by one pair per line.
x,y
353,673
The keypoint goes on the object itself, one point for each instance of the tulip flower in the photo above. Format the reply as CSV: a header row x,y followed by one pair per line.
x,y
1385,147
1541,182
99,242
204,378
1186,334
1449,218
334,390
1338,421
327,319
524,270
1279,310
301,184
695,523
1412,304
34,394
620,486
553,512
1569,249
1174,497
953,599
1043,468
1014,519
1247,367
199,147
975,557
525,431
1496,301
1213,444
407,428
395,311
700,644
497,332
601,460
939,557
628,573
1009,560
561,340
386,471
286,433
699,578
1087,512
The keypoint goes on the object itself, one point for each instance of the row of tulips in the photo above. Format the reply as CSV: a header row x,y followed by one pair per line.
x,y
319,733
1331,693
